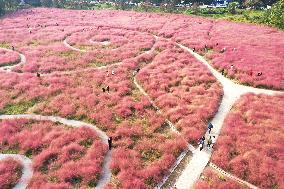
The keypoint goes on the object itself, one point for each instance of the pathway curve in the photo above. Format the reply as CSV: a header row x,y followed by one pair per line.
x,y
23,60
106,173
232,92
219,170
66,44
27,171
173,128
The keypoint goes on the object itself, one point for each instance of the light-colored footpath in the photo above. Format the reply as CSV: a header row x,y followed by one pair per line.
x,y
232,92
106,172
200,159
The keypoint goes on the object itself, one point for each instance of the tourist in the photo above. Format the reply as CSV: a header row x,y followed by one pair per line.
x,y
232,67
213,141
38,75
193,50
13,48
223,71
174,187
104,90
112,72
201,144
209,142
259,73
136,71
210,126
223,50
107,89
109,140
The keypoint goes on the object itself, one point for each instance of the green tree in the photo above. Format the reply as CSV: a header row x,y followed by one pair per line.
x,y
232,7
2,7
253,3
46,3
275,16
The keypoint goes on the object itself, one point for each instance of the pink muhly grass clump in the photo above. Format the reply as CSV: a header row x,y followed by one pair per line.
x,y
246,148
10,173
63,154
211,179
8,57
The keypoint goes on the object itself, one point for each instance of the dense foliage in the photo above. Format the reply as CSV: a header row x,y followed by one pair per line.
x,y
60,155
211,179
10,173
76,62
275,16
250,144
8,58
184,89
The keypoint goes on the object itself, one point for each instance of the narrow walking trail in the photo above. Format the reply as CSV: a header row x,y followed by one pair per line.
x,y
27,171
66,44
23,60
106,173
232,92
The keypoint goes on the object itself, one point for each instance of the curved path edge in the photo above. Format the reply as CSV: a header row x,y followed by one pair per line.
x,y
23,60
219,170
27,171
231,93
106,172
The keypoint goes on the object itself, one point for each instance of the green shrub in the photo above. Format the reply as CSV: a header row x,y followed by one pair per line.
x,y
232,8
275,16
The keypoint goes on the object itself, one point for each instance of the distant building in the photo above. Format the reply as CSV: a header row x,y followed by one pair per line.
x,y
221,3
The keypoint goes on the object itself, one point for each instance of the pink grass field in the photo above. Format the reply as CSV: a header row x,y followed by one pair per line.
x,y
61,155
250,144
70,86
145,148
211,179
184,89
10,173
8,58
250,48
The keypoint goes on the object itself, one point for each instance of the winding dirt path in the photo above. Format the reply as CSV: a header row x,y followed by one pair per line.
x,y
23,60
27,171
200,159
232,92
106,173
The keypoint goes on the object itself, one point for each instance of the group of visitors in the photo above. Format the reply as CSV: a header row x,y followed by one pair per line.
x,y
106,89
211,140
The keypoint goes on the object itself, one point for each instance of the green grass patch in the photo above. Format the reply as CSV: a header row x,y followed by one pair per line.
x,y
10,151
18,108
5,45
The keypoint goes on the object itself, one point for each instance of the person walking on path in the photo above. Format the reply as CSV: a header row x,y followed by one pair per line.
x,y
201,142
109,140
210,126
209,142
213,141
174,187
